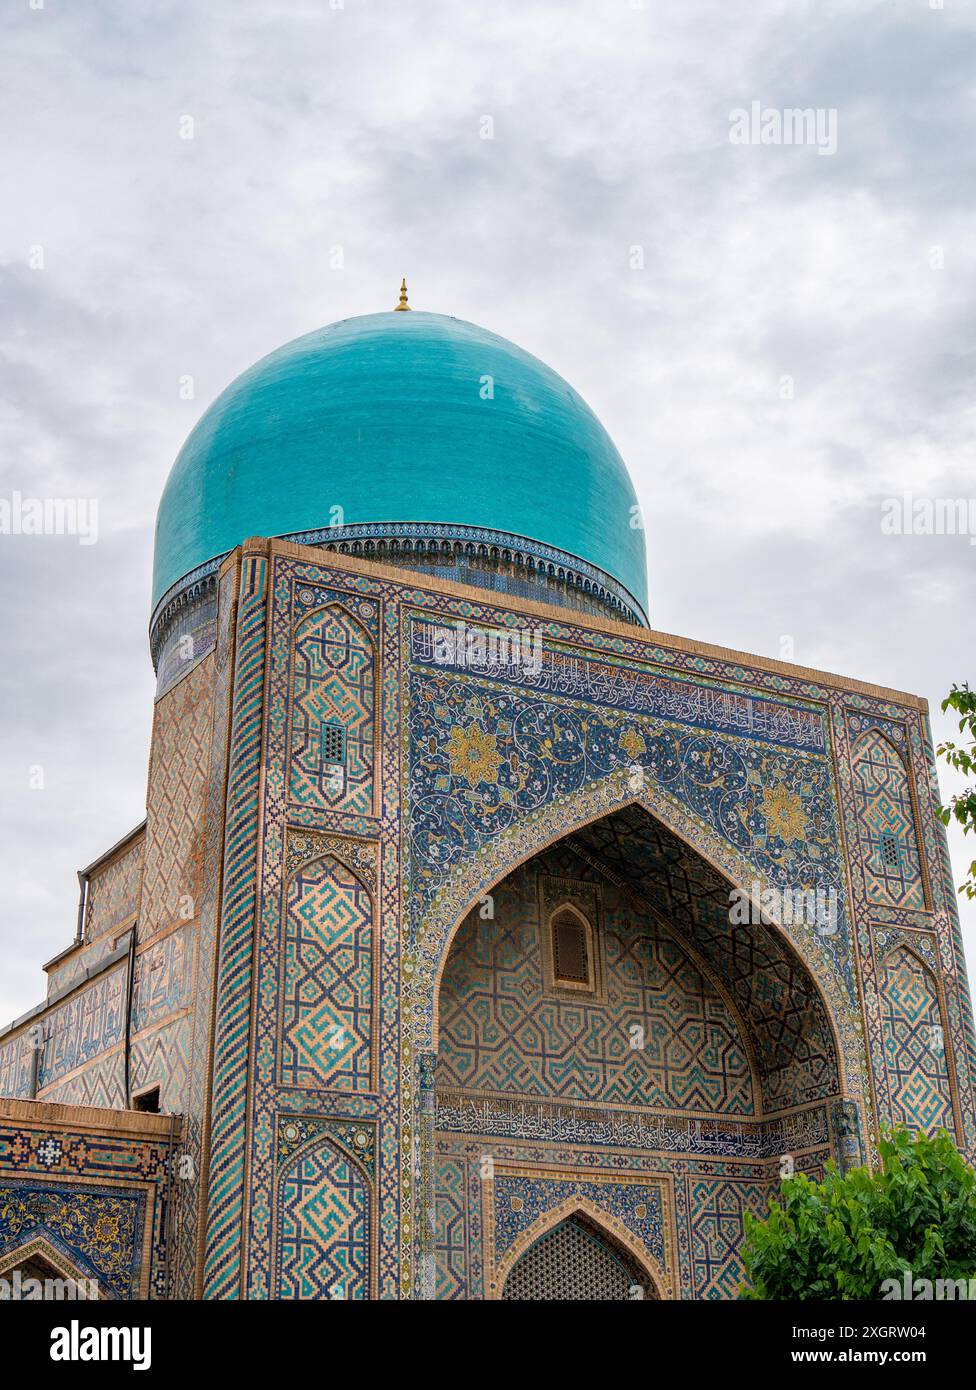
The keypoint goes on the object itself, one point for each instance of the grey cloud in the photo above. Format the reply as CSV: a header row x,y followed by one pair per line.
x,y
359,127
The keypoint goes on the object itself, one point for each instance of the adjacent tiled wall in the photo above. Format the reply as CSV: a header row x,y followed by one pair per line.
x,y
86,1192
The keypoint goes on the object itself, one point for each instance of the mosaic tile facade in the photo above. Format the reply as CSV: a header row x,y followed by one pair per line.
x,y
915,1047
82,1060
333,695
735,786
886,822
176,806
114,889
384,1096
327,980
666,1038
680,1218
87,1191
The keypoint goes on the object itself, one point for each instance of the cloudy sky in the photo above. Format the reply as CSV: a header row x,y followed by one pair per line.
x,y
777,338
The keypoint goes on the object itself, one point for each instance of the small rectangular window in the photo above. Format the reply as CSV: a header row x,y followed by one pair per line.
x,y
333,744
569,950
890,853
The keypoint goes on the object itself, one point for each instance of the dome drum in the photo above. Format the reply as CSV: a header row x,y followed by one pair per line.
x,y
510,565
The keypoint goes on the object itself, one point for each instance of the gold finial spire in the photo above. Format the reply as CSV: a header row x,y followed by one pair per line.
x,y
403,297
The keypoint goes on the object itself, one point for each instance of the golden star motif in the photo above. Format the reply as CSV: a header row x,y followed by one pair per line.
x,y
474,755
784,813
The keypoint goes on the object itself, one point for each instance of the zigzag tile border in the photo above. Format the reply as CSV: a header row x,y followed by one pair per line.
x,y
225,1200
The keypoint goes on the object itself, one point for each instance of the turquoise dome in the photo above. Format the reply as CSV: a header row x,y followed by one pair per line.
x,y
390,418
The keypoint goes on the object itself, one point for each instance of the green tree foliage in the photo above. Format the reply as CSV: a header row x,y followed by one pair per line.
x,y
962,807
843,1237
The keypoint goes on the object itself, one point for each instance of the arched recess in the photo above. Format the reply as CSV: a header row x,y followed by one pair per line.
x,y
328,973
777,983
917,1054
661,1031
646,1271
887,823
323,1220
332,712
569,816
41,1258
569,948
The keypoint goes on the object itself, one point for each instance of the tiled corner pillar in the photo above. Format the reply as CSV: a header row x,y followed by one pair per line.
x,y
225,1187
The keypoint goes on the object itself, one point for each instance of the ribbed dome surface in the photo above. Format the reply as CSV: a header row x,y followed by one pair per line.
x,y
400,417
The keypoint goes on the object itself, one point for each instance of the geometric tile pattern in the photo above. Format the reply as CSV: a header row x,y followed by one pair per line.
x,y
225,1196
323,1217
915,1045
332,714
886,823
113,892
771,988
327,980
664,1038
176,807
160,1058
451,1236
719,1209
99,1082
294,591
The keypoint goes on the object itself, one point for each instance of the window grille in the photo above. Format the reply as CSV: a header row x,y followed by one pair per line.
x,y
570,957
890,856
333,744
570,1262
